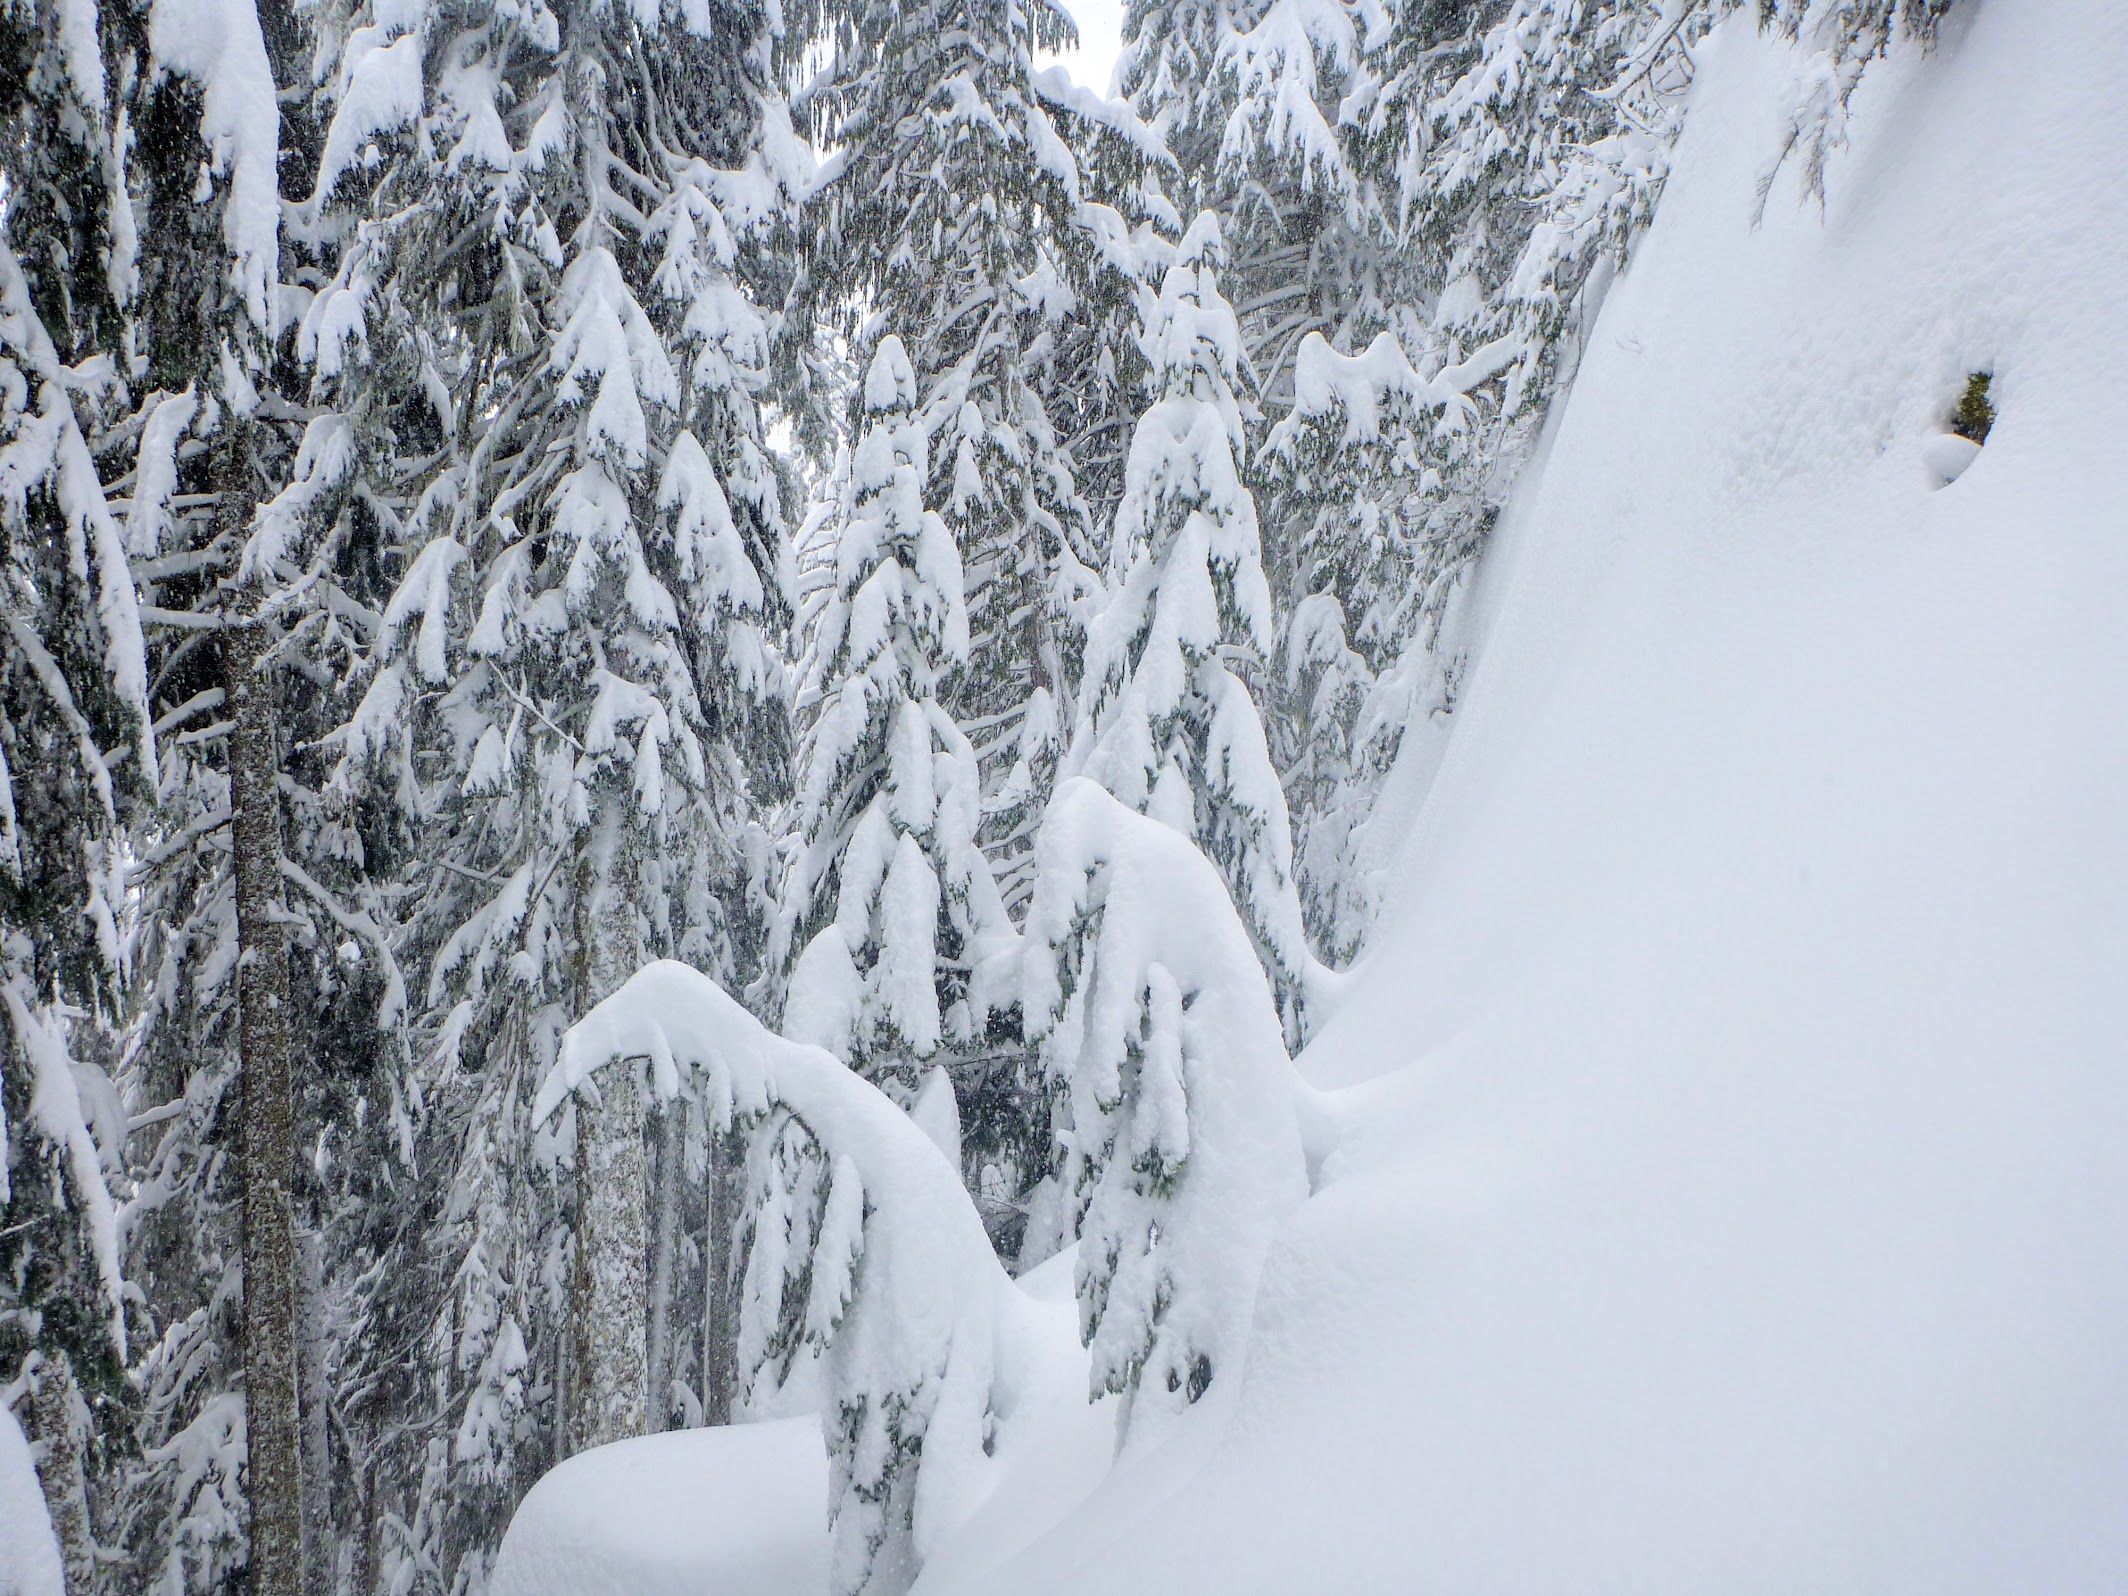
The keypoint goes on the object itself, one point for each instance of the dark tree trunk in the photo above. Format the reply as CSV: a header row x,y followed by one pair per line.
x,y
274,1485
320,1549
608,1373
720,1325
664,1243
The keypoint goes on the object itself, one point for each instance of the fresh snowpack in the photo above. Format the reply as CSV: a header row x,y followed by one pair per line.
x,y
1714,1160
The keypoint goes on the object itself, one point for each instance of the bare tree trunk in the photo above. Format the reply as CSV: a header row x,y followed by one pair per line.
x,y
609,1378
564,1393
663,1243
320,1552
720,1327
274,1476
369,1577
59,1471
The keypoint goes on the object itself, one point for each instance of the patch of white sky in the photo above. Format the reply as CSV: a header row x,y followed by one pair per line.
x,y
1100,37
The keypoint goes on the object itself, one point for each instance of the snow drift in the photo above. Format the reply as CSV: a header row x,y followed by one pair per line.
x,y
1729,1194
738,1510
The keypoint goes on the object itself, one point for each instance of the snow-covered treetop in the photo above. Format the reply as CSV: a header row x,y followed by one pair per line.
x,y
896,565
1190,337
1185,457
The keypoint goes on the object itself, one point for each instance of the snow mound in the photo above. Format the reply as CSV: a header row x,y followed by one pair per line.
x,y
734,1510
29,1555
1729,1195
1947,456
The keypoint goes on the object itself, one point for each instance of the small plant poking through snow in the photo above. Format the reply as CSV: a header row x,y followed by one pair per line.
x,y
1975,414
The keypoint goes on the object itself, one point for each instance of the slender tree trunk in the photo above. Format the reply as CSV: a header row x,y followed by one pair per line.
x,y
609,1363
663,1244
60,1472
274,1477
564,1393
610,1380
720,1326
320,1552
369,1578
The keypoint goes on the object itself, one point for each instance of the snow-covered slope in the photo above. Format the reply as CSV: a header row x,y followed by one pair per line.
x,y
1732,1195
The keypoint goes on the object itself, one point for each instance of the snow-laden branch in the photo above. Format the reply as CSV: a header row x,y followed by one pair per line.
x,y
59,1118
871,1292
219,45
1181,1150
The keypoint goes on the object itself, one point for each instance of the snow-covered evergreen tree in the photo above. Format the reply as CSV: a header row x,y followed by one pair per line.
x,y
1248,95
72,744
75,742
928,105
870,1294
891,910
1371,466
1176,1142
1497,161
1170,726
1169,71
554,226
247,562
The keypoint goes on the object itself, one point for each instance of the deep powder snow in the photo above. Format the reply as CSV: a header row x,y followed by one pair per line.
x,y
1730,1194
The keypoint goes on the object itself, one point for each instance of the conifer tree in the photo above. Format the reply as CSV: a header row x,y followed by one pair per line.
x,y
1497,161
1009,310
557,225
1176,1151
1248,96
1170,726
75,740
232,527
891,910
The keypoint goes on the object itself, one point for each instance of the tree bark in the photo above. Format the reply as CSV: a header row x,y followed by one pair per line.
x,y
369,1574
274,1475
609,1375
664,1242
320,1552
720,1326
60,1472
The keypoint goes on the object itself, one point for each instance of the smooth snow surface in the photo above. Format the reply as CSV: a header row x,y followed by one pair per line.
x,y
729,1511
1731,1195
29,1556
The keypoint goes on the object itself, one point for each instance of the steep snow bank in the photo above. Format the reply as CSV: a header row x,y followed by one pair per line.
x,y
1732,1196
